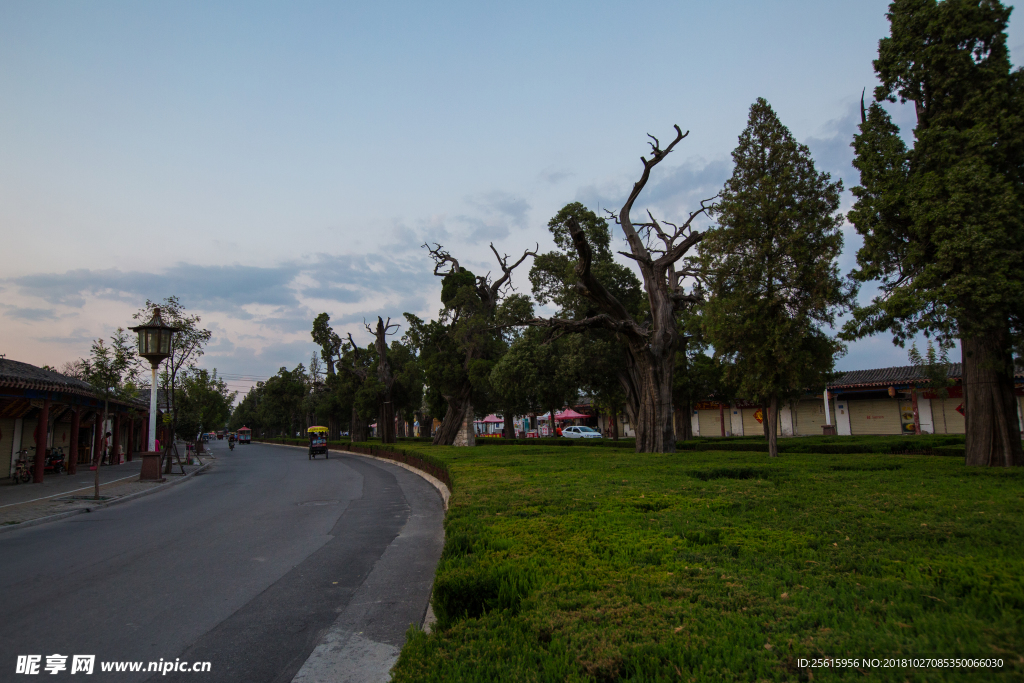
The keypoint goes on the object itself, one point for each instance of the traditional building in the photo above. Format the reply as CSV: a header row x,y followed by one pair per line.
x,y
882,401
40,407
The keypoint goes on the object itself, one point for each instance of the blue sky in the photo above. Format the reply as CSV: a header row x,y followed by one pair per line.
x,y
268,161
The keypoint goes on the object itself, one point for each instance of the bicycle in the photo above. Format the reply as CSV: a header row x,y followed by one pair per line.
x,y
22,474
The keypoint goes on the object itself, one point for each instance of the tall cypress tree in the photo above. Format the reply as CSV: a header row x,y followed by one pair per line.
x,y
943,220
770,268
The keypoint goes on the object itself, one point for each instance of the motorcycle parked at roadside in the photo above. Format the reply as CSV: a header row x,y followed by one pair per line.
x,y
55,460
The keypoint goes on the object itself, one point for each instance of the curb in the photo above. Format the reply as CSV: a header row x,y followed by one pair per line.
x,y
429,619
434,481
106,504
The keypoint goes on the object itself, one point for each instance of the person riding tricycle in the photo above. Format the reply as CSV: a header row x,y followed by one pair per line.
x,y
317,442
231,442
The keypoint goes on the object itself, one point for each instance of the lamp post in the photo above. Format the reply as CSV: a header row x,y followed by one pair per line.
x,y
155,346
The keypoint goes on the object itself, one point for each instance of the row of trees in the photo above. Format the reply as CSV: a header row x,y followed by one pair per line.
x,y
744,303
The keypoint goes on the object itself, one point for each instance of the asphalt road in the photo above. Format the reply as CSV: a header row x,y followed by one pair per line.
x,y
254,566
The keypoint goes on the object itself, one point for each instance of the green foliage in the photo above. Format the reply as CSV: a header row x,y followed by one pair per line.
x,y
534,377
276,406
554,281
187,346
114,369
646,567
204,403
771,265
327,339
942,222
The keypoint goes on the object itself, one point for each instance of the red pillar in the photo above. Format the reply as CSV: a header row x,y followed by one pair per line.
x,y
73,446
42,430
115,442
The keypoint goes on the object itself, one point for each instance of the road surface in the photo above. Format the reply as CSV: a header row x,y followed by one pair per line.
x,y
254,566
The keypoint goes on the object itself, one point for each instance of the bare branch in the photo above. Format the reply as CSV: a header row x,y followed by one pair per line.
x,y
636,245
441,257
506,269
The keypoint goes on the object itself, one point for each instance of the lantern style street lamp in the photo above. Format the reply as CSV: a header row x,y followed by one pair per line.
x,y
154,345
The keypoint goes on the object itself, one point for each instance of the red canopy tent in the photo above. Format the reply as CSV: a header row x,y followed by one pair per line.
x,y
569,414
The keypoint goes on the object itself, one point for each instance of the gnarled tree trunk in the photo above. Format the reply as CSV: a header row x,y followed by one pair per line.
x,y
651,345
452,422
993,430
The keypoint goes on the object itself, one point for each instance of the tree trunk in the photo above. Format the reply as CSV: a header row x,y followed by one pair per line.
x,y
452,421
386,421
357,431
508,427
647,382
764,420
615,424
687,420
773,427
993,433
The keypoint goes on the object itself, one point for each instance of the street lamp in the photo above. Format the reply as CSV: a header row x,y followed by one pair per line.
x,y
154,345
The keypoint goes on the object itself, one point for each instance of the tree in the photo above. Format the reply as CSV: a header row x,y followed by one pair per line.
x,y
537,377
203,401
356,364
386,379
187,347
460,348
113,371
698,376
770,268
555,281
328,341
943,221
650,343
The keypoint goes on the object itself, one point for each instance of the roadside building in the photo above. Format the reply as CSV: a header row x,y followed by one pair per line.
x,y
40,408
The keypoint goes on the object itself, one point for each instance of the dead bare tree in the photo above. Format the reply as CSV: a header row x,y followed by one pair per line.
x,y
386,411
471,325
359,370
651,344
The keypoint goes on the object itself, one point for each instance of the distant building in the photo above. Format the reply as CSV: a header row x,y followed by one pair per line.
x,y
861,402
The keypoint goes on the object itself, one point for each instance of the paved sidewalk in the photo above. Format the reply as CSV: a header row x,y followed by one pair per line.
x,y
61,494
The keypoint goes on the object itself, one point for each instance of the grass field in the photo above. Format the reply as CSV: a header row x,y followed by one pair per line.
x,y
599,564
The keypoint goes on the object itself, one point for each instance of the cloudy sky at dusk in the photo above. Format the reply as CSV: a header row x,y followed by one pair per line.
x,y
268,161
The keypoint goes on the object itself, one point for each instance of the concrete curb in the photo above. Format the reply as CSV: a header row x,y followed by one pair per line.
x,y
106,504
429,619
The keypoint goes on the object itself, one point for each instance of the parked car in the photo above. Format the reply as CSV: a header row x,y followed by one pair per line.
x,y
581,433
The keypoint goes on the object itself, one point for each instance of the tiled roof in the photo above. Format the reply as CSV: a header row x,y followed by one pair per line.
x,y
905,374
17,375
20,375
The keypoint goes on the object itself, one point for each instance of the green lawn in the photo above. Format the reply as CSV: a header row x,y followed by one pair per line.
x,y
600,564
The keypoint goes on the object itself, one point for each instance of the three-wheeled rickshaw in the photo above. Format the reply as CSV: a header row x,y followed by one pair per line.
x,y
317,442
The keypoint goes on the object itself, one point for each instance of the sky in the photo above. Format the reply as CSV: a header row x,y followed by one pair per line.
x,y
265,162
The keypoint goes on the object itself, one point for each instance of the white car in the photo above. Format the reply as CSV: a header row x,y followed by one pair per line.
x,y
581,433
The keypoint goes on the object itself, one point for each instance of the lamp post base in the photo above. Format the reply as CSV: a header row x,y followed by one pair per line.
x,y
151,466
